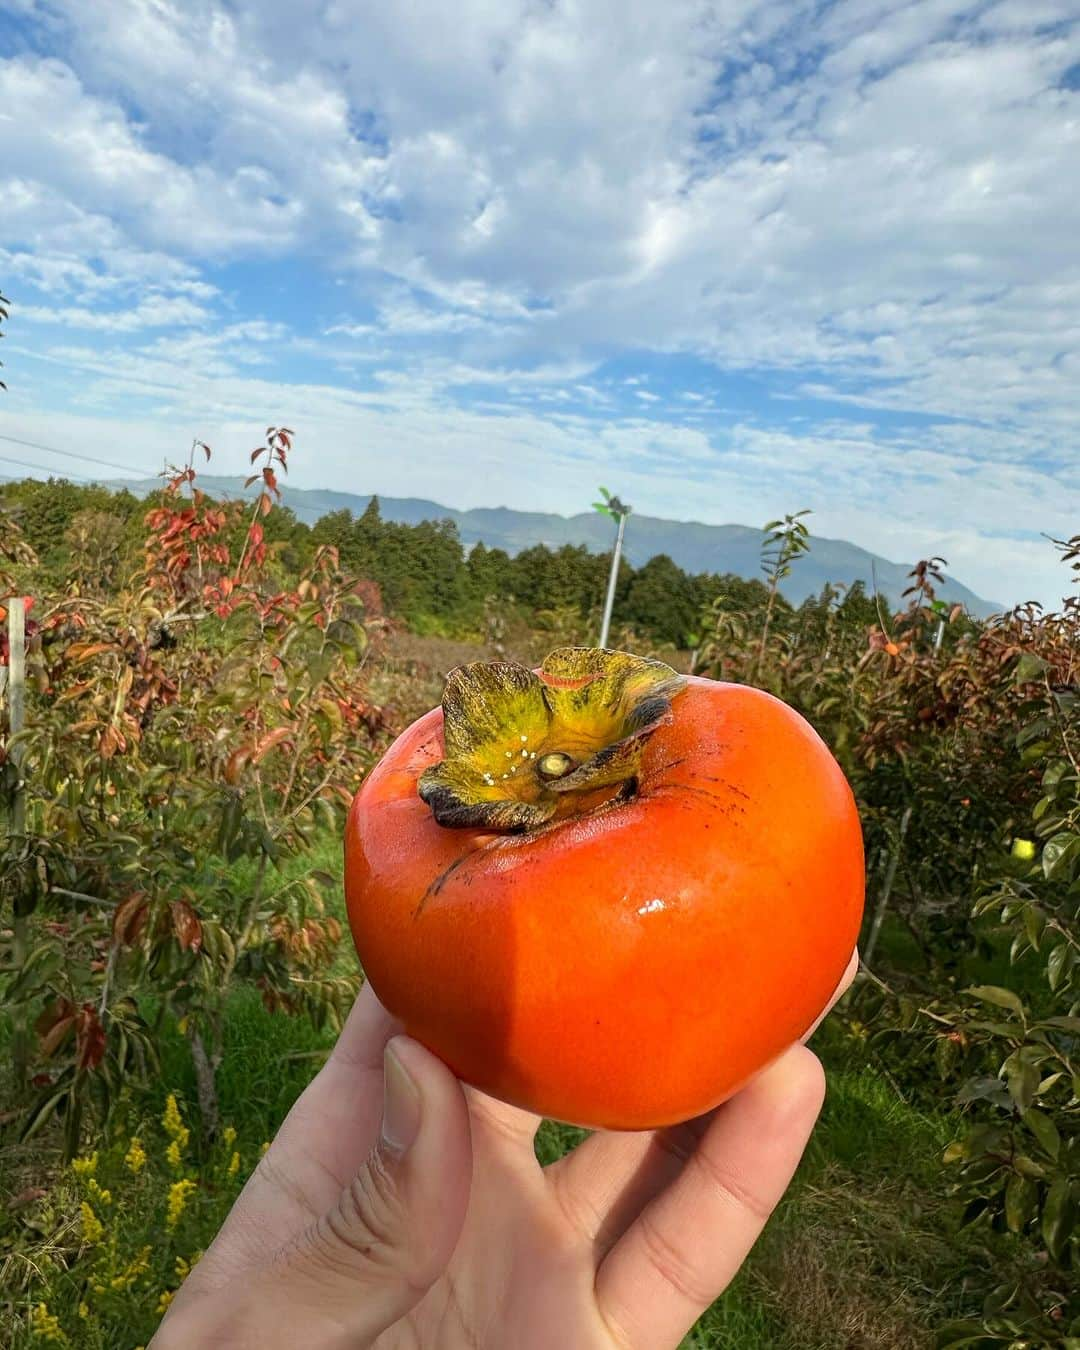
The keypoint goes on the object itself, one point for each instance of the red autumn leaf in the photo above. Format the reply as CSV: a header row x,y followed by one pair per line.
x,y
234,765
54,1024
250,479
265,503
259,450
129,919
269,741
270,479
111,741
81,652
89,1038
186,925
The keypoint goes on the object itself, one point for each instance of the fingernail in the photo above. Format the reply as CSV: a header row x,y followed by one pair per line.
x,y
401,1104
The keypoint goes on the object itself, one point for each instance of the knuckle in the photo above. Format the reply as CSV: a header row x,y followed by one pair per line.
x,y
731,1188
673,1263
370,1217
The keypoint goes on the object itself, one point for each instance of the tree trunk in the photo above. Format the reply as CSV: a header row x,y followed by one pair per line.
x,y
206,1067
16,693
886,890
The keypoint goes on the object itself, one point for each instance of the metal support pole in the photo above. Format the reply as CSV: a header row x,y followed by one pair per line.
x,y
612,579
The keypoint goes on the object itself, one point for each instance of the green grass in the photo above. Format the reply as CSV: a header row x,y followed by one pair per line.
x,y
859,1253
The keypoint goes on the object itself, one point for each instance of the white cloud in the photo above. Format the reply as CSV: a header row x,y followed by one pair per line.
x,y
875,199
156,311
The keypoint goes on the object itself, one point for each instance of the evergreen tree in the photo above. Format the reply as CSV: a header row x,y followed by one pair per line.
x,y
662,600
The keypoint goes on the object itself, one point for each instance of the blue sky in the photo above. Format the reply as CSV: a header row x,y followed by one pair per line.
x,y
731,260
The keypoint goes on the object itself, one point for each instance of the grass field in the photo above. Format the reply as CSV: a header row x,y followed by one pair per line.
x,y
857,1255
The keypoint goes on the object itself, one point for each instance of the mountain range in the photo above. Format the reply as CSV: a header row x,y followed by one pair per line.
x,y
694,546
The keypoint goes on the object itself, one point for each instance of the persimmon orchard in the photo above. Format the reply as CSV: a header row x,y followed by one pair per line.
x,y
197,715
201,712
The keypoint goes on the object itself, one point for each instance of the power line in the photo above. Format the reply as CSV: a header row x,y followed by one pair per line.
x,y
7,459
68,454
109,464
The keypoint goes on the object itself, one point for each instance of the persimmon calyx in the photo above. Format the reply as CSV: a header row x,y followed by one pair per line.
x,y
525,747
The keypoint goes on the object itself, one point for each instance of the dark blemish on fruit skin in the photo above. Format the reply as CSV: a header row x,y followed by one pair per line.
x,y
709,778
671,764
691,791
439,882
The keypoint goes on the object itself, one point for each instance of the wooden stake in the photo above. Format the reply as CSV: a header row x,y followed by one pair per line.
x,y
16,608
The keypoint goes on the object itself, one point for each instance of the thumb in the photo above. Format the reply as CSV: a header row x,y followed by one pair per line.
x,y
366,1262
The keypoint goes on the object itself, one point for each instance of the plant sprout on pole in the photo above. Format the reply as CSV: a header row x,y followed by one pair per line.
x,y
617,511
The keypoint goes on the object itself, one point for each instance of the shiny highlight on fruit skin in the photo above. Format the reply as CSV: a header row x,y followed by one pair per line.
x,y
634,962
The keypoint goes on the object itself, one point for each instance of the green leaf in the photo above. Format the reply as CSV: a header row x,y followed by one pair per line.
x,y
983,1089
1030,667
973,1210
999,997
1020,1196
1059,855
1045,1131
1057,963
1055,773
42,964
1022,1078
1033,731
42,1111
997,1300
1058,1217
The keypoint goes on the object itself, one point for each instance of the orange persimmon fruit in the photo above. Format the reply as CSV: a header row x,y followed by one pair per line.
x,y
603,891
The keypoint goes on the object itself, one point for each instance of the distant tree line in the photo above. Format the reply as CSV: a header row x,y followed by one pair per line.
x,y
425,573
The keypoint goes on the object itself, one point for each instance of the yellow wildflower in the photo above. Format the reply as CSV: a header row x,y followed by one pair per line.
x,y
85,1167
84,1311
164,1300
228,1135
92,1227
99,1193
46,1327
171,1118
234,1164
263,1147
174,1155
131,1272
184,1268
135,1157
178,1198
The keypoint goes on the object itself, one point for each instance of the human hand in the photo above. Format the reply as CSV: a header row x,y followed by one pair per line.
x,y
398,1208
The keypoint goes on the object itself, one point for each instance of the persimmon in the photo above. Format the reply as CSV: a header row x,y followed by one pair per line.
x,y
603,891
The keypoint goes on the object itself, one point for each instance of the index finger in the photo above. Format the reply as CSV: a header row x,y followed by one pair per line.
x,y
687,1244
